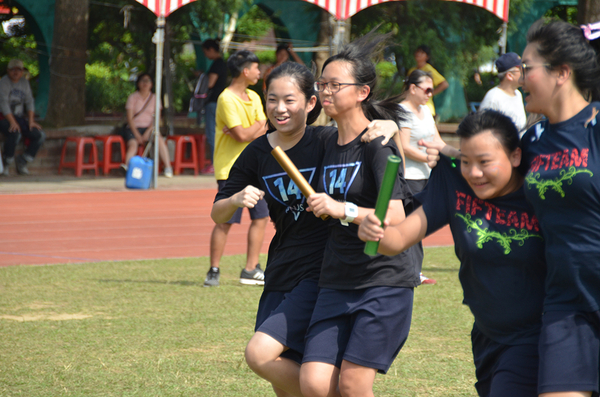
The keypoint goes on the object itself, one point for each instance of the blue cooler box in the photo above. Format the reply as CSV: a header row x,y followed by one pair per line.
x,y
139,173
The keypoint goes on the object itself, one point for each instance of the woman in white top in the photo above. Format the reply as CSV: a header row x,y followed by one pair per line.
x,y
419,125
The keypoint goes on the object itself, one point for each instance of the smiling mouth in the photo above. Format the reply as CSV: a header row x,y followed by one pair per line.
x,y
281,119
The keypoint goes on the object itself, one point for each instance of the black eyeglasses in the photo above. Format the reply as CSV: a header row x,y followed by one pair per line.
x,y
333,86
427,91
524,67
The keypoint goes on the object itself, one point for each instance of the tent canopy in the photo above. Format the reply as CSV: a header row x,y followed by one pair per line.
x,y
168,6
344,9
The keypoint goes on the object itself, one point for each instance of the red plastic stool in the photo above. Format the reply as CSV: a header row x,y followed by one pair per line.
x,y
106,164
201,143
180,161
78,164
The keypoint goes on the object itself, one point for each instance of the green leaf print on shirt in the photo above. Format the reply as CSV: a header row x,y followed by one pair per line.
x,y
505,240
555,184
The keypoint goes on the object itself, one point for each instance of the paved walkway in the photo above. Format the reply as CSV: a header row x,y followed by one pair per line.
x,y
52,219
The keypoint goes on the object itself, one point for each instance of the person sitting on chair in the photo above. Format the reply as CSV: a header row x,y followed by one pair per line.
x,y
140,108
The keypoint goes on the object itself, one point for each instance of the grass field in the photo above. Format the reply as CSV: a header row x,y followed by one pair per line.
x,y
149,328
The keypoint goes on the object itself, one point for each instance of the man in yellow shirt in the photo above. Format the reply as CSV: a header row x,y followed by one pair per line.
x,y
240,119
422,55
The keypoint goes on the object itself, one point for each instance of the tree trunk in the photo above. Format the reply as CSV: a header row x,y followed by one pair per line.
x,y
588,11
66,103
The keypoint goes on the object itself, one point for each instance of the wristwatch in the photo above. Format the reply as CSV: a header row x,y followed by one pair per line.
x,y
351,212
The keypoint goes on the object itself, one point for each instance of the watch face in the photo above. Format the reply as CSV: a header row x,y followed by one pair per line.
x,y
351,210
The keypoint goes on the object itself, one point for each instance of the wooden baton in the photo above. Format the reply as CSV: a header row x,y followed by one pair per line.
x,y
295,175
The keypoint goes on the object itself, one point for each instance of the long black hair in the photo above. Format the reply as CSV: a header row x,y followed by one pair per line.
x,y
305,81
561,43
358,55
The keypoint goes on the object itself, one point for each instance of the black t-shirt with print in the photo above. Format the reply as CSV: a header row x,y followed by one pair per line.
x,y
354,173
219,67
563,185
501,253
296,251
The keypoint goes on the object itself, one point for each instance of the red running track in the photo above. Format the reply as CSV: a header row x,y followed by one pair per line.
x,y
112,226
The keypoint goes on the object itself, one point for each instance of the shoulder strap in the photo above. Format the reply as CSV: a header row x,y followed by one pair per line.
x,y
144,107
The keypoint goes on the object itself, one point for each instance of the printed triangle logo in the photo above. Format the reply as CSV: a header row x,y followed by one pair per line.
x,y
281,188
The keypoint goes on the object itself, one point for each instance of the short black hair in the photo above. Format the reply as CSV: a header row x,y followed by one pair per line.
x,y
140,77
211,43
240,60
502,126
425,49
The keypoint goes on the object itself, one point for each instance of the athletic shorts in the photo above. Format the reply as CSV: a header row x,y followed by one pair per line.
x,y
260,210
569,352
504,370
285,316
367,327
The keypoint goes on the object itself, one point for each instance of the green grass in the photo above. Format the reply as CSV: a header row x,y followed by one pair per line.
x,y
149,328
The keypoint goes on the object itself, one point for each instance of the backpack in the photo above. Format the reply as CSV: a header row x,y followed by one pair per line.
x,y
201,94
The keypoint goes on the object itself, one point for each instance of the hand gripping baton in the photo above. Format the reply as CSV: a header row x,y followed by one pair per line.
x,y
383,200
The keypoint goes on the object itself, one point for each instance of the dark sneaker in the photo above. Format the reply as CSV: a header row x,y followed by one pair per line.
x,y
254,277
212,278
21,166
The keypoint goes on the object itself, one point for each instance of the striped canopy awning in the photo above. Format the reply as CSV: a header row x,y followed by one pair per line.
x,y
344,9
163,7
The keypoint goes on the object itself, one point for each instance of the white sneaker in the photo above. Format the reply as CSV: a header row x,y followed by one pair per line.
x,y
168,172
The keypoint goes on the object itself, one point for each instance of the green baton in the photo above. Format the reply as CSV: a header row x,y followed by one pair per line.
x,y
383,200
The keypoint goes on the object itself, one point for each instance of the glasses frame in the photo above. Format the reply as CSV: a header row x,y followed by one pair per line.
x,y
320,86
427,91
524,67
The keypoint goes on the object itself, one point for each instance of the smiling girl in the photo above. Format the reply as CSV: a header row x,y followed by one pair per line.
x,y
296,251
499,245
561,79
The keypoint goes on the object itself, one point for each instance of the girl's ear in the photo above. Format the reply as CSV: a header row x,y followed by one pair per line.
x,y
363,92
515,157
310,105
564,73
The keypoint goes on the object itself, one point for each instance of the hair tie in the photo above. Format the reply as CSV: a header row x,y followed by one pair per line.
x,y
591,31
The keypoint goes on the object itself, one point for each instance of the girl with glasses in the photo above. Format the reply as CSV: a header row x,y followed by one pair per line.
x,y
363,311
561,79
419,125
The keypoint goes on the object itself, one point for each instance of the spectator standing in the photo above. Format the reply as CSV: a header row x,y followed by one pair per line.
x,y
282,55
17,118
240,119
422,56
217,81
141,106
418,126
505,97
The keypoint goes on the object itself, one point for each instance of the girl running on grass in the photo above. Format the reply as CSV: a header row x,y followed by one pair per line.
x,y
296,251
498,242
363,311
561,79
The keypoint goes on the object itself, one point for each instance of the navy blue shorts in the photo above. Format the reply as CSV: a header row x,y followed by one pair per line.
x,y
367,327
569,352
260,210
285,316
504,370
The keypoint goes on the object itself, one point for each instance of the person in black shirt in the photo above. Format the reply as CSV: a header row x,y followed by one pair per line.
x,y
362,315
561,79
296,251
217,81
498,242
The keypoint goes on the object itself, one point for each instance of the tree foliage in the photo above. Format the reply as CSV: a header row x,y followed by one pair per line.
x,y
457,47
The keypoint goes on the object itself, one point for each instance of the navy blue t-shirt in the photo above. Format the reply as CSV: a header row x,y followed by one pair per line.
x,y
501,253
353,172
563,185
296,251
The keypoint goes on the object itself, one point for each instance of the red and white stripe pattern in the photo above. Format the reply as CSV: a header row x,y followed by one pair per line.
x,y
344,9
156,6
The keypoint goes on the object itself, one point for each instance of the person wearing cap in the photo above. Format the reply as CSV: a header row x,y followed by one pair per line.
x,y
506,97
422,56
17,118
